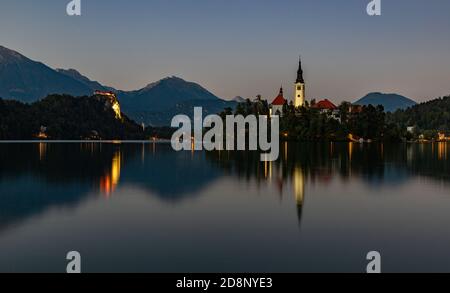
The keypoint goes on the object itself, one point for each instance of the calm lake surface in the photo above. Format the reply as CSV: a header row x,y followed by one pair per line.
x,y
145,208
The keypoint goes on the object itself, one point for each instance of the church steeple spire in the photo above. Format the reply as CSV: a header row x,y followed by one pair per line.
x,y
299,99
300,72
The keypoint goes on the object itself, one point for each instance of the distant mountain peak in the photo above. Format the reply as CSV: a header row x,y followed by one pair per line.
x,y
172,78
382,94
159,101
92,84
72,73
28,81
391,102
7,51
10,55
70,70
151,85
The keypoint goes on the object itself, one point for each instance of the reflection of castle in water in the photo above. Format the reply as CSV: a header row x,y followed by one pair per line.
x,y
45,174
109,181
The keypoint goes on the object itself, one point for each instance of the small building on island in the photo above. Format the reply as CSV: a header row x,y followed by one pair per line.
x,y
276,107
328,108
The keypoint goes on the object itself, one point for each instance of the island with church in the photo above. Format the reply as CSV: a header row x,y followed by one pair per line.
x,y
41,103
322,120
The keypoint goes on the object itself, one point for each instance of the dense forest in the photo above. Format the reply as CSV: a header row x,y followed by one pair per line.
x,y
367,122
311,124
428,119
63,117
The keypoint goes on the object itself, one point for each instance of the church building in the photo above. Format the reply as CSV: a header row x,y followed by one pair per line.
x,y
299,99
276,108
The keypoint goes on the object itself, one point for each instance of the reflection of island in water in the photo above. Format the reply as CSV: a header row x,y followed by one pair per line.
x,y
36,177
288,178
301,164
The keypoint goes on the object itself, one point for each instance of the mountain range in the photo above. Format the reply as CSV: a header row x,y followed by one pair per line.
x,y
28,81
390,102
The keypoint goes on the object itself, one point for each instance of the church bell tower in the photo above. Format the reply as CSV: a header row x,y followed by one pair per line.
x,y
299,99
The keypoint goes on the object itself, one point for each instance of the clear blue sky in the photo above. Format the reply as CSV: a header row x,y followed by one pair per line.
x,y
242,47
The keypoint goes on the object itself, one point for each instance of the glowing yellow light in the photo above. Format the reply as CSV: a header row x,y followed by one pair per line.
x,y
270,170
285,151
442,151
42,150
116,108
42,135
350,150
299,186
115,169
109,182
113,100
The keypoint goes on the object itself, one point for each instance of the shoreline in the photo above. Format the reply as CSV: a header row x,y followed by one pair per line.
x,y
87,141
167,141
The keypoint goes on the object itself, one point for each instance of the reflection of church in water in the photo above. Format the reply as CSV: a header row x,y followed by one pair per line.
x,y
291,185
287,179
299,190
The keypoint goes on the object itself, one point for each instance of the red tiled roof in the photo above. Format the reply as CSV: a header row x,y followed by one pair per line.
x,y
325,104
98,92
279,101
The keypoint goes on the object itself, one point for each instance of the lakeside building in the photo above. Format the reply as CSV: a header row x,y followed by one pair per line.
x,y
113,102
324,106
42,133
410,129
300,94
328,108
442,137
276,108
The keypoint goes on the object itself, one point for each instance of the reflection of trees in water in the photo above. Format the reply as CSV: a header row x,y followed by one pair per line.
x,y
317,162
375,164
430,160
320,162
103,166
100,164
37,176
57,163
34,177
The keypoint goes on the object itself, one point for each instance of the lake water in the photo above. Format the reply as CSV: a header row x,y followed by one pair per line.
x,y
145,208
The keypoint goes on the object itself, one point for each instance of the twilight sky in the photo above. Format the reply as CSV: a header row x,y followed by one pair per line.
x,y
242,47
